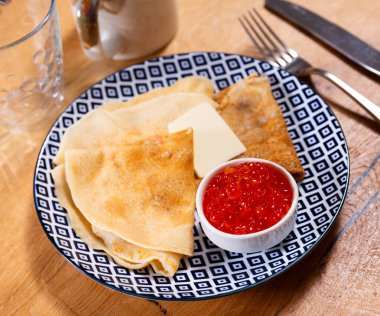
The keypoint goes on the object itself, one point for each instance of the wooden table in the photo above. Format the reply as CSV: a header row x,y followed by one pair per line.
x,y
340,276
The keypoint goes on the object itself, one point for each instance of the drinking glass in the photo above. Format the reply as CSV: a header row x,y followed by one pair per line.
x,y
30,62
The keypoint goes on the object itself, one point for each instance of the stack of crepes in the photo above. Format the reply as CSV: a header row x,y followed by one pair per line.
x,y
127,185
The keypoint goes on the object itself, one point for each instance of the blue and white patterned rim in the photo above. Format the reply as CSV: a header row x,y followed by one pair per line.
x,y
211,272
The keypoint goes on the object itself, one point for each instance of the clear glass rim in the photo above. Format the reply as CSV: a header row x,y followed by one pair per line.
x,y
34,31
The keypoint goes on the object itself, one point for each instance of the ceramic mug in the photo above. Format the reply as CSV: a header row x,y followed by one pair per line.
x,y
124,29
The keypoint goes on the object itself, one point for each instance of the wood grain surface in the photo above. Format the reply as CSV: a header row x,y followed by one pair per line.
x,y
341,276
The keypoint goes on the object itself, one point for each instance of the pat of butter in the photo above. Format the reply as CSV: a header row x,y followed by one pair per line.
x,y
214,141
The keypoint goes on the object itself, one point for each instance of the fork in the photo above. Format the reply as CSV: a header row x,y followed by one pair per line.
x,y
278,54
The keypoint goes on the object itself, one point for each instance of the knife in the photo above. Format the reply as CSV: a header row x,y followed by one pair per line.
x,y
337,38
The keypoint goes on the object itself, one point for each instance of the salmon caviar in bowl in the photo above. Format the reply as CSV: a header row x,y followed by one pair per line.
x,y
247,205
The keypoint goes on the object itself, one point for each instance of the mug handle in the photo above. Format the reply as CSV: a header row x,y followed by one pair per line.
x,y
86,14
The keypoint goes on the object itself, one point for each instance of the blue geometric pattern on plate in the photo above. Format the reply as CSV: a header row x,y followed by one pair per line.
x,y
211,272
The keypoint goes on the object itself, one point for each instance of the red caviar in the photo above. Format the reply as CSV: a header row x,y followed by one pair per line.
x,y
247,198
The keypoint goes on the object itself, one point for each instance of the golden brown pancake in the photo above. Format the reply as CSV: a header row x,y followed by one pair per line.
x,y
100,128
123,252
249,108
143,193
192,84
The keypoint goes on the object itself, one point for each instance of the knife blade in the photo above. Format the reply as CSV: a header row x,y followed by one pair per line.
x,y
334,36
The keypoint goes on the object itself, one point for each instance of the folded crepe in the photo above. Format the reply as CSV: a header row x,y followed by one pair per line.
x,y
119,123
193,84
158,173
124,253
136,202
143,193
249,108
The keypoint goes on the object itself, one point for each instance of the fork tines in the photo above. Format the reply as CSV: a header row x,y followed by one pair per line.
x,y
269,45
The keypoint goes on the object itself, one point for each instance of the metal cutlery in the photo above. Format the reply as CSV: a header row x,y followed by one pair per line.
x,y
278,54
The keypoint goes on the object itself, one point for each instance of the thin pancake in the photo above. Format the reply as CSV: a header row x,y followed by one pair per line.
x,y
100,128
193,84
152,117
249,108
77,222
144,193
124,253
163,262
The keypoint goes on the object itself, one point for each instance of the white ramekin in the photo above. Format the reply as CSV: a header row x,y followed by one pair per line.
x,y
248,242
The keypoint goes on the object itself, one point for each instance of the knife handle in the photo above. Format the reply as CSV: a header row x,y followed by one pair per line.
x,y
366,104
